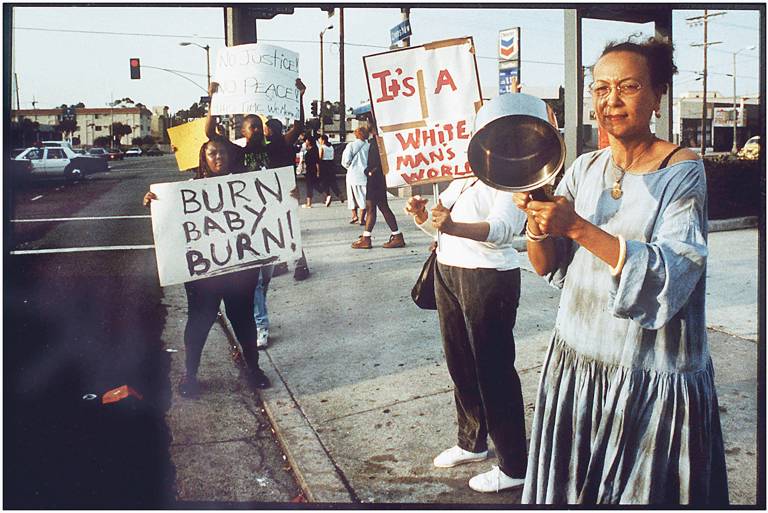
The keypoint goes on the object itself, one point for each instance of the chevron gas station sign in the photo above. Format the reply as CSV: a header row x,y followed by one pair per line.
x,y
509,44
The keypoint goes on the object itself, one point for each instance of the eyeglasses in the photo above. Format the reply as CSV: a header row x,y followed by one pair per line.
x,y
626,88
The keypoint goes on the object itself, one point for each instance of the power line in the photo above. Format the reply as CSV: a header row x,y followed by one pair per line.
x,y
108,33
302,41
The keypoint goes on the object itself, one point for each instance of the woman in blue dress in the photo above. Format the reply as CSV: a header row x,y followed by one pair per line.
x,y
626,411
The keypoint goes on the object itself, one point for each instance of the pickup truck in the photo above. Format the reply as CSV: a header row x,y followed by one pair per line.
x,y
55,162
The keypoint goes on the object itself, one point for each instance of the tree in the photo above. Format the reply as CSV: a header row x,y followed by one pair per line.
x,y
136,141
558,106
118,131
67,127
193,112
24,132
148,140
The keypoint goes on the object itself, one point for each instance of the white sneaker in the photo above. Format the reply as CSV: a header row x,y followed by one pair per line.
x,y
494,481
456,456
262,339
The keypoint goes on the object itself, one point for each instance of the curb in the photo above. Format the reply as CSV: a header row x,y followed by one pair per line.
x,y
305,452
736,223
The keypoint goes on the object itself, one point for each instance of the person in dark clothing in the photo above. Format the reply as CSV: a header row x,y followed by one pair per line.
x,y
376,197
205,295
312,176
256,153
327,170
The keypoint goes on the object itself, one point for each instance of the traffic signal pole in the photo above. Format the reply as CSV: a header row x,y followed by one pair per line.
x,y
342,107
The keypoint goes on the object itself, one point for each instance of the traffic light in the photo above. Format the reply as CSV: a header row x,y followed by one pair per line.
x,y
314,108
135,69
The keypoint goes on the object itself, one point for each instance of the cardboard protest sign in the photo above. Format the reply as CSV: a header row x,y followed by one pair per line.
x,y
186,141
424,100
220,225
257,79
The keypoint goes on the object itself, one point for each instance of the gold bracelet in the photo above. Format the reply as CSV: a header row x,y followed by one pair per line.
x,y
533,237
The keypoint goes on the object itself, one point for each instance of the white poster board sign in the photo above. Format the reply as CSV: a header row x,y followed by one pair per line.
x,y
257,79
424,100
224,224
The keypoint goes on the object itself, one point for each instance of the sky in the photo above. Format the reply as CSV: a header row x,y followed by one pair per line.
x,y
67,54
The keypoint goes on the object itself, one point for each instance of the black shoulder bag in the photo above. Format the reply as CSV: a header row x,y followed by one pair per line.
x,y
423,292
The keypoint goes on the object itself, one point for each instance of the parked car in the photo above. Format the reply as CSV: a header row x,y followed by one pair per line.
x,y
153,152
80,151
133,152
751,149
115,154
98,152
50,161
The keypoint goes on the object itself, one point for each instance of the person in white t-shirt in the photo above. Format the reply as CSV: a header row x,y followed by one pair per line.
x,y
327,170
355,160
477,290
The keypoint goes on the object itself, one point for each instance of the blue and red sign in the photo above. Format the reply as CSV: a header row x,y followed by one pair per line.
x,y
509,44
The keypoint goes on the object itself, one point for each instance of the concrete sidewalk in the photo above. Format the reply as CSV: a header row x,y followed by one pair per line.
x,y
361,398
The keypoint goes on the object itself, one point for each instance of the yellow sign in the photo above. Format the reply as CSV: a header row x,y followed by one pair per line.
x,y
186,141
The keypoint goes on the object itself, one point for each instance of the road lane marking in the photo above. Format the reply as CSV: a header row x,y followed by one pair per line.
x,y
36,198
79,250
96,218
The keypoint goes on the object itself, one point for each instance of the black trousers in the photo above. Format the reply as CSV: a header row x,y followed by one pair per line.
x,y
203,300
328,178
477,310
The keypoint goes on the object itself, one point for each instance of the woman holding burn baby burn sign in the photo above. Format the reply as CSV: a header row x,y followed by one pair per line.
x,y
626,411
205,295
477,290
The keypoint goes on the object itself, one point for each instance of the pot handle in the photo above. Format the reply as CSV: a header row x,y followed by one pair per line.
x,y
540,195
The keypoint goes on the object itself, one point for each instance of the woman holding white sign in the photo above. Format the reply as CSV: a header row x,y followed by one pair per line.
x,y
204,296
477,290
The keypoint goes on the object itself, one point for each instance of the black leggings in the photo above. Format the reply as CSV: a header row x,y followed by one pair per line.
x,y
203,300
328,178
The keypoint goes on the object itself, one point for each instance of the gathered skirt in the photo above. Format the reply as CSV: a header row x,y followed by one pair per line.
x,y
608,434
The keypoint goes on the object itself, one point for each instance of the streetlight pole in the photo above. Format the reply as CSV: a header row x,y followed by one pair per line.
x,y
735,147
207,57
322,92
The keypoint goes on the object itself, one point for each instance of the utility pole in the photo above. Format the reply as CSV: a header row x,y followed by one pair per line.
x,y
342,107
695,21
406,16
321,109
16,79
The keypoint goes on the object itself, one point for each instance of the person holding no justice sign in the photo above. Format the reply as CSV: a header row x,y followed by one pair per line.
x,y
266,147
205,295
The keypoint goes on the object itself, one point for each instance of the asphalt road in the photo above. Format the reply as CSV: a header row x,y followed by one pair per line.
x,y
84,315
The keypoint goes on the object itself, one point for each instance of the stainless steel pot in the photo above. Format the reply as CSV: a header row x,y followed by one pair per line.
x,y
516,145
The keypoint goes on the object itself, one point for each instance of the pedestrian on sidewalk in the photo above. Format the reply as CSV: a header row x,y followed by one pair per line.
x,y
327,170
626,411
376,197
205,295
477,291
354,159
312,166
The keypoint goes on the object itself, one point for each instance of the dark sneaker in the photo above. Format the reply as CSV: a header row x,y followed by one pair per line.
x,y
395,241
258,379
362,243
189,387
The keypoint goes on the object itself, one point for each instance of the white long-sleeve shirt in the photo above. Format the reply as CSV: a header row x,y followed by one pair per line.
x,y
354,158
476,204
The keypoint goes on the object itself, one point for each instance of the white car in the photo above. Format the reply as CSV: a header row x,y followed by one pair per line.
x,y
60,161
133,152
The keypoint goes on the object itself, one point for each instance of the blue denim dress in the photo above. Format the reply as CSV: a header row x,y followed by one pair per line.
x,y
626,411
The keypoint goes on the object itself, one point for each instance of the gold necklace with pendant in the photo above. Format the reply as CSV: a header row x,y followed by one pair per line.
x,y
616,192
